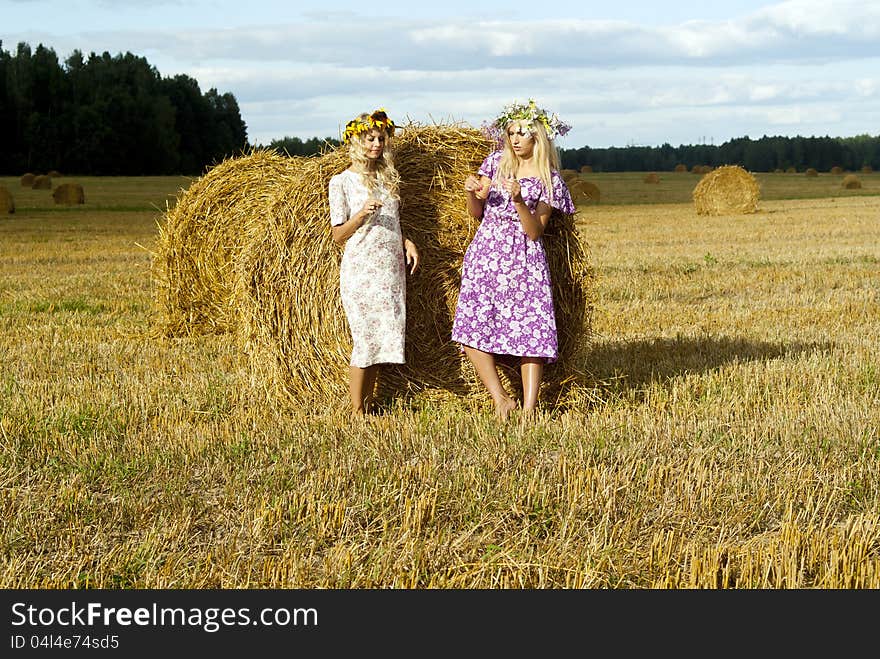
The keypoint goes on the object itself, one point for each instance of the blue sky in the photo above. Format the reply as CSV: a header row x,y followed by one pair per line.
x,y
621,73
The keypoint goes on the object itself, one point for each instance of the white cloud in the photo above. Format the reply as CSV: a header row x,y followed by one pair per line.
x,y
631,80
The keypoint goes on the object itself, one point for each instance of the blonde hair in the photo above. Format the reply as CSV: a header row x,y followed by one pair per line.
x,y
386,172
545,154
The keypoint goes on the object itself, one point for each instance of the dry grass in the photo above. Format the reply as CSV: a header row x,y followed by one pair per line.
x,y
732,441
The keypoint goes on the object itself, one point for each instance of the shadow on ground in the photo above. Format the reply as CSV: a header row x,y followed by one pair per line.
x,y
618,366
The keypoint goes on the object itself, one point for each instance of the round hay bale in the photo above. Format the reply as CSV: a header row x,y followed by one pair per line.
x,y
569,175
811,171
867,169
851,182
42,182
200,236
790,170
727,190
586,169
778,171
27,180
53,173
681,168
584,192
248,249
836,170
7,203
69,193
652,177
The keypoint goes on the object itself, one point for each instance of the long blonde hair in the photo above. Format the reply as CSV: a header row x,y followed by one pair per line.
x,y
545,155
386,172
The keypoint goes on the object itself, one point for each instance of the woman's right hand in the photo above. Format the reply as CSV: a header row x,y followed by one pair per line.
x,y
370,207
475,185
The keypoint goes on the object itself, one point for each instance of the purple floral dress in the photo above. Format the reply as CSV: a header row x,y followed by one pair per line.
x,y
505,304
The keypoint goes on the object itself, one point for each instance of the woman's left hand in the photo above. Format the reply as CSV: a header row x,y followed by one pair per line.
x,y
412,255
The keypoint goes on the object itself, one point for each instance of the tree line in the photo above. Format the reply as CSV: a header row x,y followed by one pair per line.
x,y
766,154
109,115
116,115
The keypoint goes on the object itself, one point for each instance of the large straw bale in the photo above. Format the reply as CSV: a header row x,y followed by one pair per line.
x,y
851,182
836,170
867,169
69,193
203,232
27,180
586,169
652,177
53,173
812,171
727,190
7,203
679,168
266,268
42,182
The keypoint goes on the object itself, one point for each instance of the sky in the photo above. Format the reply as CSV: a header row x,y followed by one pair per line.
x,y
622,74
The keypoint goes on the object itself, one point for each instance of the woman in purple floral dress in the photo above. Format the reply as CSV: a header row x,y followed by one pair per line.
x,y
505,304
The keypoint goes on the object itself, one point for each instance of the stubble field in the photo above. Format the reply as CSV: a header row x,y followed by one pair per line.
x,y
730,440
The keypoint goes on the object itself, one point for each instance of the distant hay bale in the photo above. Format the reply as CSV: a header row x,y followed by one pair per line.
x,y
652,177
53,173
851,182
681,168
586,169
701,169
69,193
867,169
42,182
584,192
778,170
7,203
569,174
790,170
811,171
27,180
727,190
836,170
248,250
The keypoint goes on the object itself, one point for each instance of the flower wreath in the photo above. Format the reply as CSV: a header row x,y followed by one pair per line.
x,y
529,113
378,120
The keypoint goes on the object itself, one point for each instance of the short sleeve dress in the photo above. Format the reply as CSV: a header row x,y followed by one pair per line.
x,y
372,273
505,303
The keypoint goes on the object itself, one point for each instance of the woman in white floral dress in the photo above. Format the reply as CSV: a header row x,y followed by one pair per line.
x,y
364,217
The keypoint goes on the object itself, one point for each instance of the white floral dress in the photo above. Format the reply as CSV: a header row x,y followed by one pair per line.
x,y
372,274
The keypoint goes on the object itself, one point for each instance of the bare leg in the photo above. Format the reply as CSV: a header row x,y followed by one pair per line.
x,y
357,381
370,376
484,365
532,370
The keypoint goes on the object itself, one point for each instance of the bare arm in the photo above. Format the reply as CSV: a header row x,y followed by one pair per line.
x,y
476,190
342,232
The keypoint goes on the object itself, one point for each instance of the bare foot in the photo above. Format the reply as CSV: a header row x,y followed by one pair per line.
x,y
504,407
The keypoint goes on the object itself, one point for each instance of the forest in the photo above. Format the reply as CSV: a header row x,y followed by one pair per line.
x,y
117,115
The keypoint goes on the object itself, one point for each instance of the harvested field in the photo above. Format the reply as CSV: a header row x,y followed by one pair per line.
x,y
730,439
